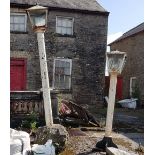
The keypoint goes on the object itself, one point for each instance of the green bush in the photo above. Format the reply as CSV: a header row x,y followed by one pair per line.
x,y
30,122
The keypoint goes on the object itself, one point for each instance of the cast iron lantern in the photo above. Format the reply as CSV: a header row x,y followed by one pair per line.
x,y
38,17
116,61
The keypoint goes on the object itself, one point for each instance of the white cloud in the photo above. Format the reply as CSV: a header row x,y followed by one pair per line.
x,y
113,37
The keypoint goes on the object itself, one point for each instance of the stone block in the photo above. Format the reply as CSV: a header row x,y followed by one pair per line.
x,y
115,151
57,133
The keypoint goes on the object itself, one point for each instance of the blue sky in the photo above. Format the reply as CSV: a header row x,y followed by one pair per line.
x,y
124,15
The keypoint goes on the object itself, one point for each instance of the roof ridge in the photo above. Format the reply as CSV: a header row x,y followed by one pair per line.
x,y
133,28
130,32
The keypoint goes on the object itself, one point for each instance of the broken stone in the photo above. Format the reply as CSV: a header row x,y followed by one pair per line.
x,y
115,151
57,133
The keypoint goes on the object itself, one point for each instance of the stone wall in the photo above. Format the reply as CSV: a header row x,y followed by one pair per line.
x,y
86,48
134,67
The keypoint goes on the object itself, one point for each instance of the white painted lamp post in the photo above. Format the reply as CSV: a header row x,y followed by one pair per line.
x,y
115,64
38,18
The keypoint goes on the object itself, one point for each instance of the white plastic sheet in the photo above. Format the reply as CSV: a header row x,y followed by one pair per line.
x,y
19,142
47,149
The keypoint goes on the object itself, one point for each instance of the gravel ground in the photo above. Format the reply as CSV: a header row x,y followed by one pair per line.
x,y
82,143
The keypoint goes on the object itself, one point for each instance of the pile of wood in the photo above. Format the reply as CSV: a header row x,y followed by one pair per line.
x,y
73,114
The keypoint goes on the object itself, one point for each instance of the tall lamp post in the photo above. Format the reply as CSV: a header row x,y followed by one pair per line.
x,y
115,64
38,18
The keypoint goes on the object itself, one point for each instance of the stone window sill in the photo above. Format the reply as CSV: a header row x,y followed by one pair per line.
x,y
18,32
65,35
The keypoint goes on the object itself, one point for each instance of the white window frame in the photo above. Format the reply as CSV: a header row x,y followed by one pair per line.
x,y
20,14
66,60
131,79
63,17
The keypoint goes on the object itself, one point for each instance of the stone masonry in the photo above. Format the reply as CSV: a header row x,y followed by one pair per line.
x,y
86,48
134,67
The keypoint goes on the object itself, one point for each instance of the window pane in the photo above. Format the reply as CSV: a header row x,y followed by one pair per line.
x,y
16,19
59,23
67,79
69,31
16,27
56,63
69,23
133,83
64,24
11,27
59,70
21,19
67,71
62,64
62,82
58,29
56,84
11,19
21,27
64,30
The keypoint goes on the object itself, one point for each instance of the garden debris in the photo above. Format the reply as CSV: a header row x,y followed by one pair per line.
x,y
73,114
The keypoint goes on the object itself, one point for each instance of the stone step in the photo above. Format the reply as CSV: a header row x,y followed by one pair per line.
x,y
114,151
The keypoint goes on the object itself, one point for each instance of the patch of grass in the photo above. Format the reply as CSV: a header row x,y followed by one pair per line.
x,y
140,150
67,151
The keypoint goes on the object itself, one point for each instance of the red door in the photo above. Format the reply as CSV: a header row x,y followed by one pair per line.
x,y
119,87
17,74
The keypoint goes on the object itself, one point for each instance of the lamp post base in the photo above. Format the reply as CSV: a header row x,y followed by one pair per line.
x,y
104,143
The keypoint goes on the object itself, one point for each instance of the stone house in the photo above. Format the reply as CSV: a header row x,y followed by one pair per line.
x,y
132,42
76,40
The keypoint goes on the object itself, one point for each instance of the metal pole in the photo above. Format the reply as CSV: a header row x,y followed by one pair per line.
x,y
111,103
45,79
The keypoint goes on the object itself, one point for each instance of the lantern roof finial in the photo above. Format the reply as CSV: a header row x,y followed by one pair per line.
x,y
37,7
116,52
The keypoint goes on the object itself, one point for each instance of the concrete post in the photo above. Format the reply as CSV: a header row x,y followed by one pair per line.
x,y
111,104
45,79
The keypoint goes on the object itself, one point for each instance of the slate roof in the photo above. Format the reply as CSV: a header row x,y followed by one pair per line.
x,y
89,5
129,33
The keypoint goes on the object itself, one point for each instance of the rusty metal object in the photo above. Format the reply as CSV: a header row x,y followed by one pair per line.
x,y
72,113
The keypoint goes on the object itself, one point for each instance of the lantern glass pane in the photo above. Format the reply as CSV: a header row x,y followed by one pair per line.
x,y
115,63
39,20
